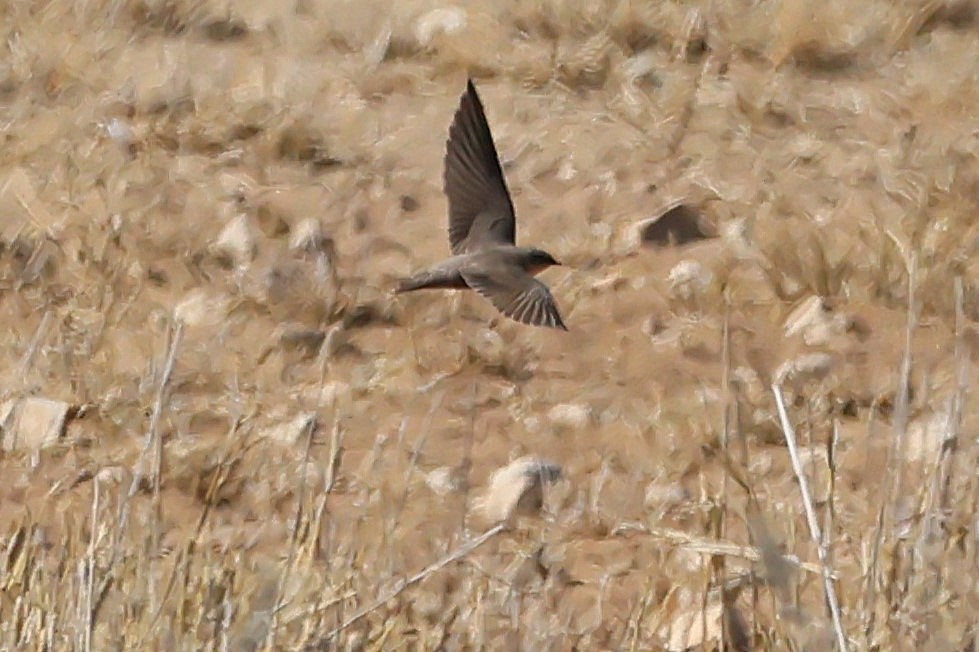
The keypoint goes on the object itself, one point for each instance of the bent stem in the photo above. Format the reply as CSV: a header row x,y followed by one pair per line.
x,y
814,530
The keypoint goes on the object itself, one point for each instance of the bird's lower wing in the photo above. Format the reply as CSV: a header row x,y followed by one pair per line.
x,y
518,295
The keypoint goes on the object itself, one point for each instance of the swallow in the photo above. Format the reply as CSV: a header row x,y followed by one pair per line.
x,y
482,228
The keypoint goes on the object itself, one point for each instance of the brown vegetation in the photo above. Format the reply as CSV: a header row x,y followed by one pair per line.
x,y
247,442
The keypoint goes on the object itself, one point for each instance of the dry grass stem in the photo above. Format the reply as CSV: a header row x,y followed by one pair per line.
x,y
401,585
811,519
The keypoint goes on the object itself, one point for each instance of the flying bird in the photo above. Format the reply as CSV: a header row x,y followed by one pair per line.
x,y
482,227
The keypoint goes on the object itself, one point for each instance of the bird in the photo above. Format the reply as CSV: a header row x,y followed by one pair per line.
x,y
482,228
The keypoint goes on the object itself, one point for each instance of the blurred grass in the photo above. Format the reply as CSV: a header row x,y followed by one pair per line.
x,y
261,172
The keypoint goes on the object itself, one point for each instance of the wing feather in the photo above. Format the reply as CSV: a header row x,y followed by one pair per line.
x,y
480,209
517,295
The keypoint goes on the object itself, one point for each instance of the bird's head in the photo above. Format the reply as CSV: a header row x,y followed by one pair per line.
x,y
539,260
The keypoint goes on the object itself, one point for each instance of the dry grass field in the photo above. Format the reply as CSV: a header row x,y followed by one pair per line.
x,y
221,431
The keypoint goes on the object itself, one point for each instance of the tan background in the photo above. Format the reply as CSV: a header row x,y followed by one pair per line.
x,y
829,145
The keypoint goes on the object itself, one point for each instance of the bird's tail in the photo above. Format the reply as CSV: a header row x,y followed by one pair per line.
x,y
407,285
431,279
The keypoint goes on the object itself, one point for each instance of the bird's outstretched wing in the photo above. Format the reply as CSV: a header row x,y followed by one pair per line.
x,y
480,210
517,294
